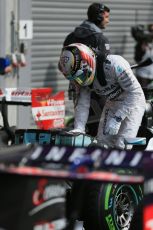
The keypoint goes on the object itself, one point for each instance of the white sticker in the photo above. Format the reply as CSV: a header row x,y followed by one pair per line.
x,y
26,29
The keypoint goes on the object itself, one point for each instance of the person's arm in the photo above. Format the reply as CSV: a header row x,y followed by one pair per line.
x,y
131,95
82,109
131,88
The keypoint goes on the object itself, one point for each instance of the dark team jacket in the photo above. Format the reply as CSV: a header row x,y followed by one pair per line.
x,y
89,34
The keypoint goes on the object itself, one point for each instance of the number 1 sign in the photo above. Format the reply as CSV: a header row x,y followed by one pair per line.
x,y
26,29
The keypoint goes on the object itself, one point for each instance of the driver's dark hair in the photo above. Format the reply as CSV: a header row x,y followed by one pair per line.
x,y
95,11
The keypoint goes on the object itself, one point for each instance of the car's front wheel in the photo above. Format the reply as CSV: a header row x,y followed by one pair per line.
x,y
110,206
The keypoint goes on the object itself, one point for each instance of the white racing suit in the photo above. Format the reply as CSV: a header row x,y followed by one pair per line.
x,y
124,99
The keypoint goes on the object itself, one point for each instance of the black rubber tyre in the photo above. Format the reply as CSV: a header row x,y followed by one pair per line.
x,y
110,206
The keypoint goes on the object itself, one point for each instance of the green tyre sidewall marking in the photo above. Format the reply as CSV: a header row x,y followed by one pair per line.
x,y
106,215
109,187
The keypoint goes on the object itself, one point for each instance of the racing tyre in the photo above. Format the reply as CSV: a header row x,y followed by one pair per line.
x,y
111,206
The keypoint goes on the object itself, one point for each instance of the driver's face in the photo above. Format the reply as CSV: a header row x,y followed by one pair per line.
x,y
105,19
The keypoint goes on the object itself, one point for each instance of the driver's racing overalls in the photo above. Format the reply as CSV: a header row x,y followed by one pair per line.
x,y
124,99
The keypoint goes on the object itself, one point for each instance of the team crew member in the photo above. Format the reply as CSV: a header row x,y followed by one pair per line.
x,y
125,102
90,33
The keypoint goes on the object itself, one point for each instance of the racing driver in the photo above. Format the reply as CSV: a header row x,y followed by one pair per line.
x,y
125,101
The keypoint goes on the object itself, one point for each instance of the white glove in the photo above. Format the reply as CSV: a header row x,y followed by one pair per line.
x,y
75,131
113,126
